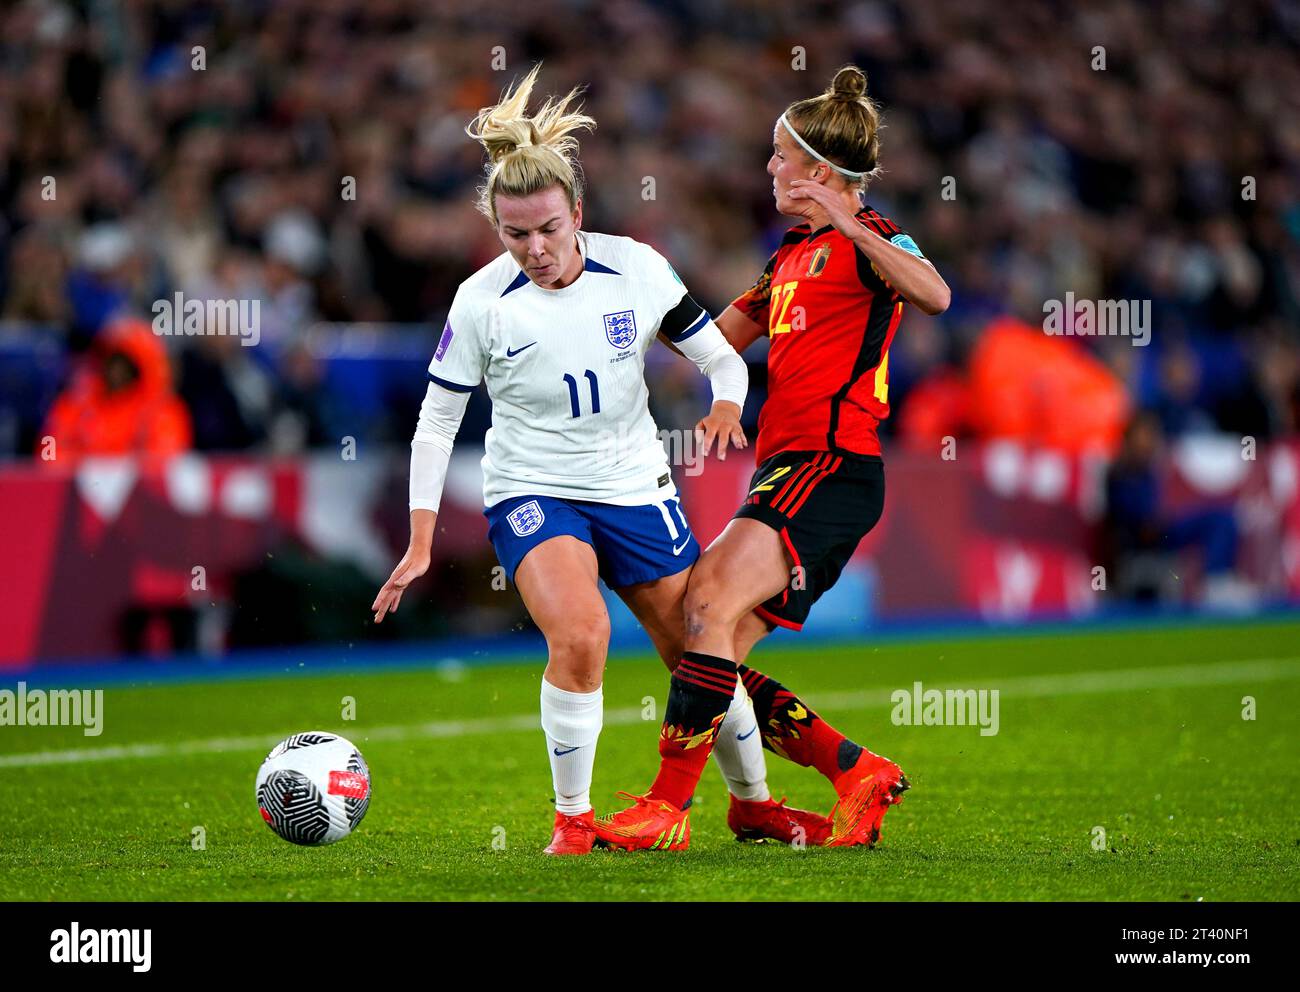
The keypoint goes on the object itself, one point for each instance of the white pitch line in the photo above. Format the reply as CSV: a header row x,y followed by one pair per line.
x,y
1087,683
1024,687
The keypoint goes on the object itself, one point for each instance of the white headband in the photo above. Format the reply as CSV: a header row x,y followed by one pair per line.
x,y
821,158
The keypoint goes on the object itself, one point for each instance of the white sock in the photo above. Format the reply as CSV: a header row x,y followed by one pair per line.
x,y
572,722
739,750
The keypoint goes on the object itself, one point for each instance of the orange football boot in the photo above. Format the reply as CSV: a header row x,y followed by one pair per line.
x,y
647,825
866,792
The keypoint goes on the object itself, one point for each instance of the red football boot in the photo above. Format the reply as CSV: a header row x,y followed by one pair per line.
x,y
573,834
866,792
647,825
770,820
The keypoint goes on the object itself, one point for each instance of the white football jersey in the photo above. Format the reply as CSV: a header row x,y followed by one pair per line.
x,y
565,372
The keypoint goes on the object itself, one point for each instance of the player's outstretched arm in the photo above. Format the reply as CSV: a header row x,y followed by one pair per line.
x,y
729,379
722,422
413,564
440,417
738,329
687,328
915,278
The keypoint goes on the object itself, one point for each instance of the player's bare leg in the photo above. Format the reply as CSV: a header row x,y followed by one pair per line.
x,y
558,583
716,602
749,631
701,692
657,606
703,685
866,784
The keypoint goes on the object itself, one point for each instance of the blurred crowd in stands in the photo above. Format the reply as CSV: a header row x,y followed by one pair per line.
x,y
310,154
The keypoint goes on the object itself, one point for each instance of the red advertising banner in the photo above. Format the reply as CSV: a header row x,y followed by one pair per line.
x,y
1002,531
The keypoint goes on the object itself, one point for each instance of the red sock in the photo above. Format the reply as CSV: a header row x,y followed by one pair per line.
x,y
701,691
794,731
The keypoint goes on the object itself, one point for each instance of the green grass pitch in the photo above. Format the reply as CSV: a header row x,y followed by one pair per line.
x,y
1138,733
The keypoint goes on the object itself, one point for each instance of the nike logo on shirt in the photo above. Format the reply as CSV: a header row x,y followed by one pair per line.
x,y
512,353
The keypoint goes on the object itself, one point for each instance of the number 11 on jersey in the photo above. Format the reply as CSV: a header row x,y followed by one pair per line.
x,y
573,393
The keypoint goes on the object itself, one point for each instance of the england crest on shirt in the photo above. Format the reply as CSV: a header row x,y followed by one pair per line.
x,y
526,518
620,328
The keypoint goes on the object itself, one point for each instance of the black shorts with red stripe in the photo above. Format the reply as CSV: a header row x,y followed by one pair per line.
x,y
822,504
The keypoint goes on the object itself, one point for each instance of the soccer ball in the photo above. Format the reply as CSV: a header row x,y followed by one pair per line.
x,y
313,788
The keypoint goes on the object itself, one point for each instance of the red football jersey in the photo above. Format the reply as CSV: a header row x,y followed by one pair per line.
x,y
831,320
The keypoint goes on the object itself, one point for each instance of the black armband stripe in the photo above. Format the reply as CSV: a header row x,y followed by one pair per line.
x,y
455,387
683,320
699,325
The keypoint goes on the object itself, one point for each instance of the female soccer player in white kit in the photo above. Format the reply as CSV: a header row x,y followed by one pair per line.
x,y
576,482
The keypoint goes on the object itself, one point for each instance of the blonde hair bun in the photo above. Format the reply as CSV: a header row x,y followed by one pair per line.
x,y
842,124
850,83
526,153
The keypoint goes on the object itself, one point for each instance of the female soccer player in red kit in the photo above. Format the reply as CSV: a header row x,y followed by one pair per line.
x,y
830,298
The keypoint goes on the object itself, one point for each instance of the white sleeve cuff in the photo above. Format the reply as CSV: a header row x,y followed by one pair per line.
x,y
429,461
712,355
729,376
